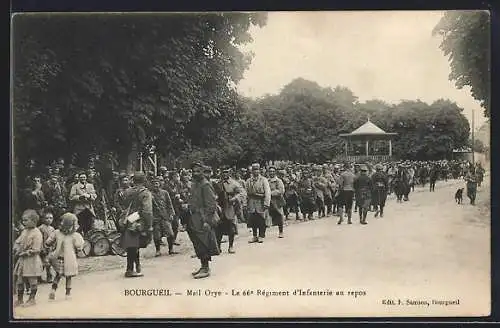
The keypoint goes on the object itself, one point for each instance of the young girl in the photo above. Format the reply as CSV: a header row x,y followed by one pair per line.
x,y
67,242
27,249
47,230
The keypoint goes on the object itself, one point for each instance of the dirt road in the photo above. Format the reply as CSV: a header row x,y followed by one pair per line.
x,y
423,251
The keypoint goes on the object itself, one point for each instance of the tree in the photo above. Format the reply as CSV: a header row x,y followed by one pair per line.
x,y
478,146
466,43
99,83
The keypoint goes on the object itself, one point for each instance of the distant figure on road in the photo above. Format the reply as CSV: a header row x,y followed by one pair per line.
x,y
471,179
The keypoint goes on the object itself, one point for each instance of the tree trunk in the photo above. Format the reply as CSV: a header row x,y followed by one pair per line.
x,y
132,158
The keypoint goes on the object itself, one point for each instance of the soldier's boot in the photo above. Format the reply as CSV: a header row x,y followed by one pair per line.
x,y
377,212
231,250
194,273
297,217
381,211
204,273
341,216
365,212
254,240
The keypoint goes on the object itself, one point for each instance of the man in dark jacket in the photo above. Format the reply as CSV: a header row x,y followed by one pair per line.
x,y
137,232
163,215
380,184
202,220
362,190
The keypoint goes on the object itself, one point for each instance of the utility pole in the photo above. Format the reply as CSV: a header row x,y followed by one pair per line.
x,y
473,159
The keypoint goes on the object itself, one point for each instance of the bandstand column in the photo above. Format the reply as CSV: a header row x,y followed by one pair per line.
x,y
346,147
390,148
367,147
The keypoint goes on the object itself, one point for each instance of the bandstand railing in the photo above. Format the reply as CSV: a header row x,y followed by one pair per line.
x,y
364,158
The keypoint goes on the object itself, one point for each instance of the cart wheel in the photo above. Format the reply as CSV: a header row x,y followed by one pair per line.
x,y
87,247
100,246
116,248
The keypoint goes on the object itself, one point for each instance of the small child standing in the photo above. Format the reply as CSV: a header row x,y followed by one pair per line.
x,y
47,230
28,268
67,242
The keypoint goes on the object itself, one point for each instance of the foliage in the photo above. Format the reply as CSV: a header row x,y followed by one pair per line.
x,y
478,146
466,43
303,122
116,82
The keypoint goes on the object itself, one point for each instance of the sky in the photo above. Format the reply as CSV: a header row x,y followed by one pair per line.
x,y
387,55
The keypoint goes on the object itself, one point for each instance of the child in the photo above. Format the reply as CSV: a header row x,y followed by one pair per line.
x,y
47,230
27,249
67,241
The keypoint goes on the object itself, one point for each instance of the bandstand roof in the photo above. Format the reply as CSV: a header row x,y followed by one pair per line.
x,y
368,129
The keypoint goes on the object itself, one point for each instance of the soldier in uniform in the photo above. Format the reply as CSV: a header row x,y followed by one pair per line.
x,y
307,195
277,200
291,196
136,234
320,189
259,199
328,191
83,195
363,189
55,195
163,215
119,201
241,210
228,192
346,196
471,180
202,221
380,184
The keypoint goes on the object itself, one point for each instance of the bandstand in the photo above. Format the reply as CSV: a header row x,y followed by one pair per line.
x,y
367,143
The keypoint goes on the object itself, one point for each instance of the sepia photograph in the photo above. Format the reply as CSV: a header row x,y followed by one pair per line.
x,y
229,165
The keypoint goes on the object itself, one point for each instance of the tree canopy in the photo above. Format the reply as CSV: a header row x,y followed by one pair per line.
x,y
466,43
303,122
116,82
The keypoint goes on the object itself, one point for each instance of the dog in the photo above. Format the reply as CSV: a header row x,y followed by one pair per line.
x,y
459,195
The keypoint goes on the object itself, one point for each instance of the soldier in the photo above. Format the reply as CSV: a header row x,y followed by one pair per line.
x,y
433,176
163,215
277,200
363,189
55,195
320,189
380,184
330,184
136,229
242,211
83,195
307,195
259,199
228,192
202,221
346,196
119,201
471,179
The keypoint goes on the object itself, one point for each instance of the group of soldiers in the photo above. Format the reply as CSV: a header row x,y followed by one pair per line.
x,y
259,196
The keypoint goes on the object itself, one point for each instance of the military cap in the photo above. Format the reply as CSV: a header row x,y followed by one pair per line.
x,y
363,168
255,166
378,167
139,177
